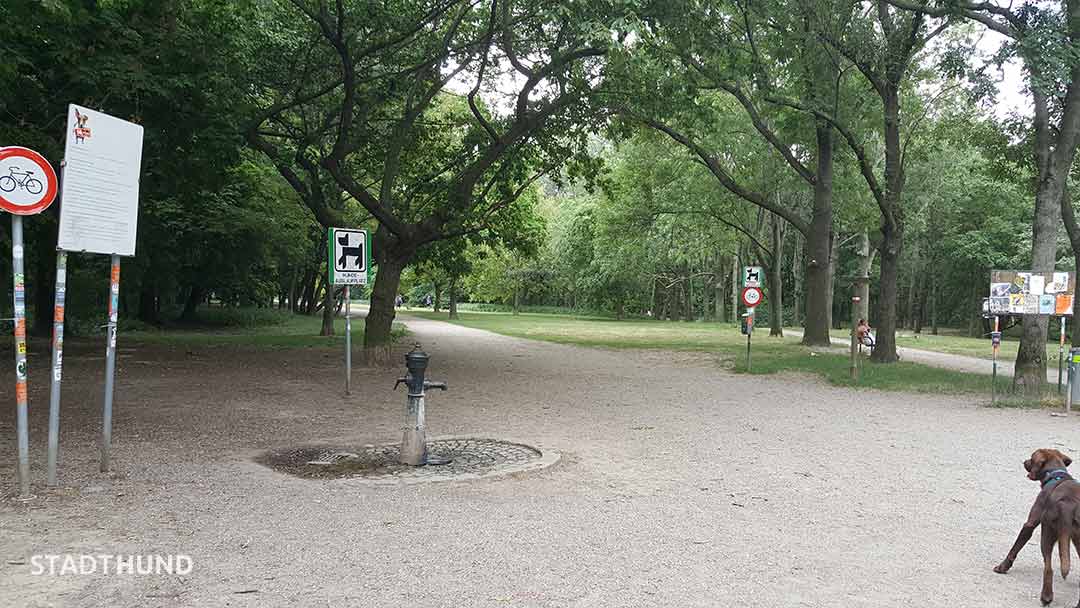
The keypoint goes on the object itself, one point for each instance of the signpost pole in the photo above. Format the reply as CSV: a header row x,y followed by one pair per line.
x,y
749,332
348,344
20,355
1061,353
110,363
57,364
993,377
854,339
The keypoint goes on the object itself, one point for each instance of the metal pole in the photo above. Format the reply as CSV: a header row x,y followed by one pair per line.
x,y
1069,390
1061,353
110,363
348,344
854,339
993,377
749,332
57,364
20,355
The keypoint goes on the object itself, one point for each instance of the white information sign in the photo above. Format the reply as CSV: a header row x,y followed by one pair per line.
x,y
99,205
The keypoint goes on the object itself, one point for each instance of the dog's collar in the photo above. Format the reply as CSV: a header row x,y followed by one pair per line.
x,y
1054,476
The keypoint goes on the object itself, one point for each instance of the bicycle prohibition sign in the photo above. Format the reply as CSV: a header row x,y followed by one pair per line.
x,y
25,180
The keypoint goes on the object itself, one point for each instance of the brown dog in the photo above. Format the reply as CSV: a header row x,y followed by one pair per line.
x,y
1057,509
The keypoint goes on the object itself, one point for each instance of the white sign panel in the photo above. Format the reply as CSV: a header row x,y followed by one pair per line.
x,y
99,205
752,276
348,256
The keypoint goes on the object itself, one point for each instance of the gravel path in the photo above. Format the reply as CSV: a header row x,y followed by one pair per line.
x,y
960,363
681,485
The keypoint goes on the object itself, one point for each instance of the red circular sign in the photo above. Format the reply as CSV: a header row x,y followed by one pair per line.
x,y
27,181
752,296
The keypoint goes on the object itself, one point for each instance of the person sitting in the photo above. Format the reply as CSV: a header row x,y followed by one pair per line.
x,y
862,334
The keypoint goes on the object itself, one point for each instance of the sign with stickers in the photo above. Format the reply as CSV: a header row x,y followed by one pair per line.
x,y
1018,292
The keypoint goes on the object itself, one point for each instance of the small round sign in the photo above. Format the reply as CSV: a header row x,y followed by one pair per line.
x,y
751,296
28,183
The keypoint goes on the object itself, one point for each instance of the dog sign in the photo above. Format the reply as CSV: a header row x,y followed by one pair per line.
x,y
349,251
752,276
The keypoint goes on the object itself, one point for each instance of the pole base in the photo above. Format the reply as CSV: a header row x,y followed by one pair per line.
x,y
413,448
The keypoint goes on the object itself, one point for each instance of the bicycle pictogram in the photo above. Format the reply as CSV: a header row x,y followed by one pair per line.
x,y
20,179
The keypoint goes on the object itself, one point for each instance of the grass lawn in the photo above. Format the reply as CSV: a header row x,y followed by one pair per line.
x,y
770,355
961,345
290,331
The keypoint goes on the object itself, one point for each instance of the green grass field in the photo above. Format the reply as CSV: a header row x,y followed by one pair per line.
x,y
769,355
961,345
287,331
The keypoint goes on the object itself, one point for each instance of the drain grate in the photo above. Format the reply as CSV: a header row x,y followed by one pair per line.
x,y
470,458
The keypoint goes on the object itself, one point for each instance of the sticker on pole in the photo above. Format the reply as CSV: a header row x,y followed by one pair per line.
x,y
100,209
349,252
751,296
27,181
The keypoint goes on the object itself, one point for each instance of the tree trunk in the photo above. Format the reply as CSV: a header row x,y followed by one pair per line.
x,y
912,298
776,280
191,304
148,302
933,304
654,309
45,251
892,226
718,287
885,346
735,288
690,294
922,292
517,300
310,292
1030,369
864,261
391,257
834,260
796,283
973,320
1072,229
453,298
662,299
819,269
328,308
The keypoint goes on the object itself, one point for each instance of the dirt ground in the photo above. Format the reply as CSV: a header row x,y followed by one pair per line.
x,y
680,485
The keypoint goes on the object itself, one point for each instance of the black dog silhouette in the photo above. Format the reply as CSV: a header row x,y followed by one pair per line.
x,y
347,251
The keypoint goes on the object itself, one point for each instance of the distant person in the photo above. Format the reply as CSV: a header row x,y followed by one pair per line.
x,y
398,301
862,333
427,300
